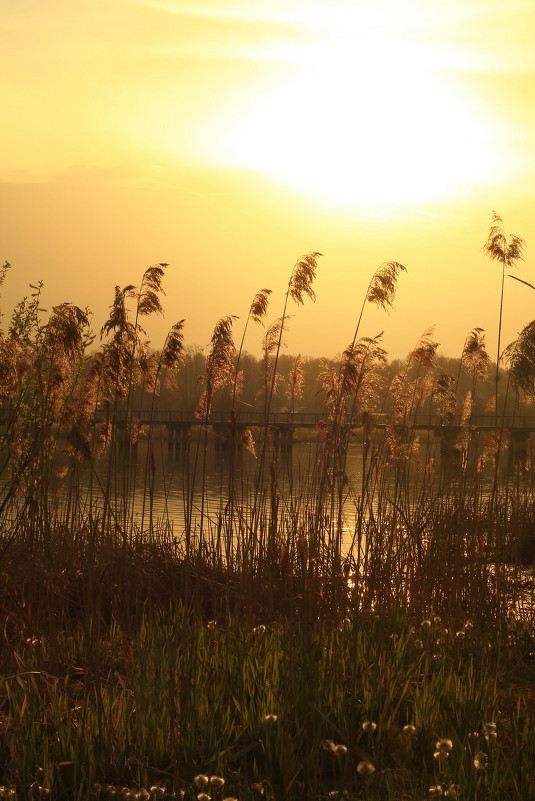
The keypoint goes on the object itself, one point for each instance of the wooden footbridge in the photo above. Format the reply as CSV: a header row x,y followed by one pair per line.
x,y
282,426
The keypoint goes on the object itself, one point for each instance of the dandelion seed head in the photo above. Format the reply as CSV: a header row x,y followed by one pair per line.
x,y
257,788
365,768
481,761
426,624
491,737
435,790
211,625
217,781
444,745
340,750
328,745
441,755
409,729
201,781
489,728
270,718
203,797
469,625
369,726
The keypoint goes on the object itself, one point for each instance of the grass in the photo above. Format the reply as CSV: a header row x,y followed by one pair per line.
x,y
177,695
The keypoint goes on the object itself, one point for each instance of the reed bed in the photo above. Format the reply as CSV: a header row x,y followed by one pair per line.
x,y
267,649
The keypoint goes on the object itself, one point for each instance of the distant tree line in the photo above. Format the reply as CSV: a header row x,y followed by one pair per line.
x,y
299,385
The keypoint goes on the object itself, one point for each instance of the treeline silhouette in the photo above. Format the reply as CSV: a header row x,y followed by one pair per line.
x,y
299,385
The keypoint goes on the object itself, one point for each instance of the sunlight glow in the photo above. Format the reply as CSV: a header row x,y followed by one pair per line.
x,y
364,123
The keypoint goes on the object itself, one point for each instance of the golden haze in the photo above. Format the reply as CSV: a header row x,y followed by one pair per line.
x,y
228,138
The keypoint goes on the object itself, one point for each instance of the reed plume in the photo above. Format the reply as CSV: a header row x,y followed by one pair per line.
x,y
173,351
445,397
474,357
382,287
302,277
520,358
219,363
498,247
296,378
257,312
259,306
425,351
148,301
507,251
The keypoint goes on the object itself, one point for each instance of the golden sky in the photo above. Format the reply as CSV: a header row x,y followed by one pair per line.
x,y
227,138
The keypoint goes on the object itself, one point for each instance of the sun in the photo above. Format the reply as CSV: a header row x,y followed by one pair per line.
x,y
367,123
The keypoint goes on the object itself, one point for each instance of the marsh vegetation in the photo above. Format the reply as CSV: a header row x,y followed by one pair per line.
x,y
320,633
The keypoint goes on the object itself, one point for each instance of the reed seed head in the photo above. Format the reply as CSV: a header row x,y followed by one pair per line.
x,y
173,349
474,357
259,306
382,288
302,278
499,247
520,359
248,442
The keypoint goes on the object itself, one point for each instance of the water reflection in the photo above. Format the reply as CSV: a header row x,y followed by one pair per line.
x,y
145,485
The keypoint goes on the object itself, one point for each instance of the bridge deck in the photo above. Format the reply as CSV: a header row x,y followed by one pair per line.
x,y
295,420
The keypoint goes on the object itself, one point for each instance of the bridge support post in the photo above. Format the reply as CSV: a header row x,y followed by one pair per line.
x,y
283,438
123,440
517,451
450,455
178,437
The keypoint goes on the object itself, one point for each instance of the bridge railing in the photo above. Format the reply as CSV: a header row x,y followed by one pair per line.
x,y
163,416
302,419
